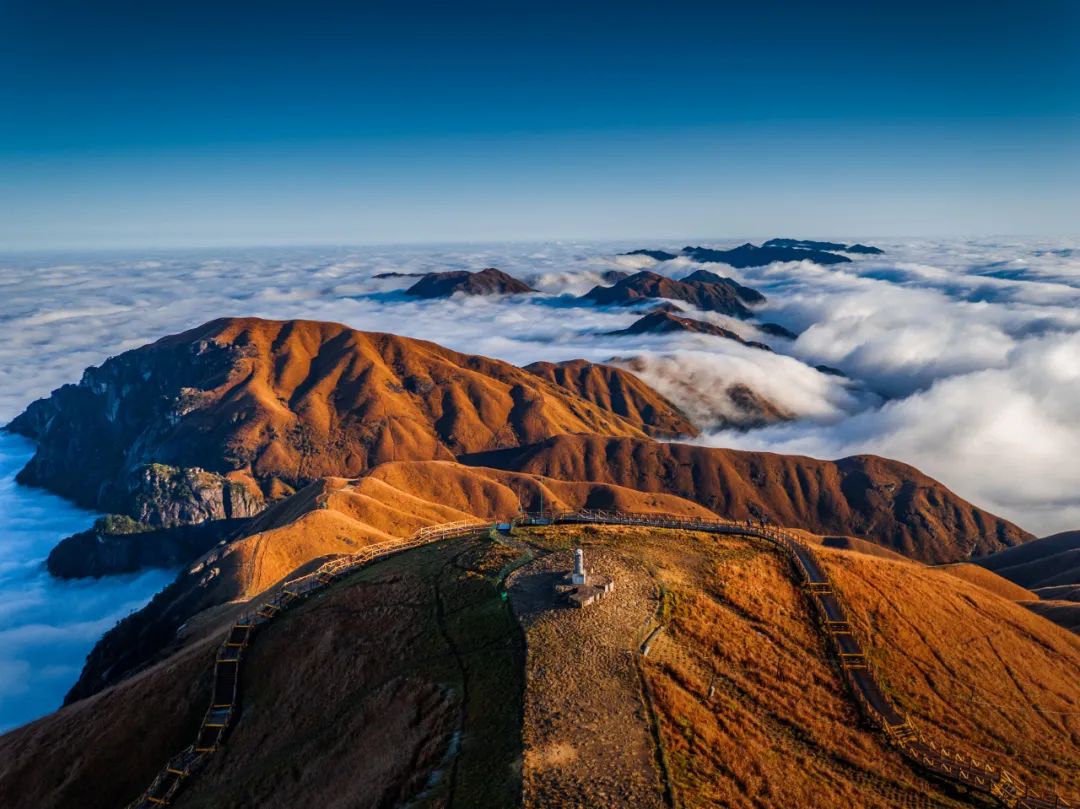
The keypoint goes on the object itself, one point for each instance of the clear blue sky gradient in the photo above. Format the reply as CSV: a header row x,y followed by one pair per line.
x,y
188,123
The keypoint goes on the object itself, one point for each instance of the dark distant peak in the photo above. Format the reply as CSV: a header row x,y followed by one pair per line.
x,y
645,276
810,244
666,306
705,277
667,323
401,275
486,282
659,255
728,298
614,276
805,244
776,330
747,255
829,370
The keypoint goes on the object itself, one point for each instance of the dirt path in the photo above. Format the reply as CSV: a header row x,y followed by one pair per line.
x,y
586,733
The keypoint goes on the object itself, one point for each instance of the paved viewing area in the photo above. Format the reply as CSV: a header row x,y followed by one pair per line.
x,y
586,732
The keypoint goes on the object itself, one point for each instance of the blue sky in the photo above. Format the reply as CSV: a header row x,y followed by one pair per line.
x,y
167,123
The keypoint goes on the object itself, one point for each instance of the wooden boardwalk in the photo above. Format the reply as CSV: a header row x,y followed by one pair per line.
x,y
825,600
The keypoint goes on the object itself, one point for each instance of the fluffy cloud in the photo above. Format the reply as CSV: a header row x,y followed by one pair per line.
x,y
48,626
954,334
974,345
1006,437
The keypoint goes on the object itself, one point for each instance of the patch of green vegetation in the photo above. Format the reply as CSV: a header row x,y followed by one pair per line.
x,y
117,524
669,605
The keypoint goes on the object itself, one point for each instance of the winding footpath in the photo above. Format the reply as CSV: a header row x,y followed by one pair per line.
x,y
826,603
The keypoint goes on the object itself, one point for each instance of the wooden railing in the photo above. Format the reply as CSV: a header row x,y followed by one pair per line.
x,y
825,600
872,699
224,702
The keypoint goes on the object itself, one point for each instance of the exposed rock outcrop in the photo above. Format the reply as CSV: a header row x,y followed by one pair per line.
x,y
118,544
207,424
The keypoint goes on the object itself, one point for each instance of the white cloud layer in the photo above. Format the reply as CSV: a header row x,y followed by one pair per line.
x,y
973,347
48,626
972,342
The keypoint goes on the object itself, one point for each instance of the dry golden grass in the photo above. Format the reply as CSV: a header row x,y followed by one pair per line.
x,y
619,391
988,580
884,501
753,713
972,668
338,515
352,699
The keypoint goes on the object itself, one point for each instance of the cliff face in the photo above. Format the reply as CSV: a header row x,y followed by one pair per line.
x,y
100,441
105,550
334,516
888,502
209,423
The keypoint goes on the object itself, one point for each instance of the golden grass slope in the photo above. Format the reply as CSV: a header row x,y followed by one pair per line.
x,y
396,499
884,501
753,713
354,699
362,398
282,403
988,580
330,517
618,391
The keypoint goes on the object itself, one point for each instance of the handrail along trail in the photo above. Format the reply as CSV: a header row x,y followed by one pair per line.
x,y
826,602
221,713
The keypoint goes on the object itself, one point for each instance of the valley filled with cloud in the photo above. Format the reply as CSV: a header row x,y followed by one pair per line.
x,y
960,357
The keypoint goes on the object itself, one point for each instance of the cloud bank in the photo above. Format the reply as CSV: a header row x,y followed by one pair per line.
x,y
960,355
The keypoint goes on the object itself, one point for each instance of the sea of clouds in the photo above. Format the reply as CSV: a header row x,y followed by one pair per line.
x,y
962,356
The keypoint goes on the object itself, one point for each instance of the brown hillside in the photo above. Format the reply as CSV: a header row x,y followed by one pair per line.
x,y
336,516
857,545
362,690
723,297
404,683
753,714
617,391
1047,562
1050,568
1063,613
279,402
988,581
884,501
485,282
668,323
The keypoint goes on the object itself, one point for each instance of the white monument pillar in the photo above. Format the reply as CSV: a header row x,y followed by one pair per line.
x,y
578,576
